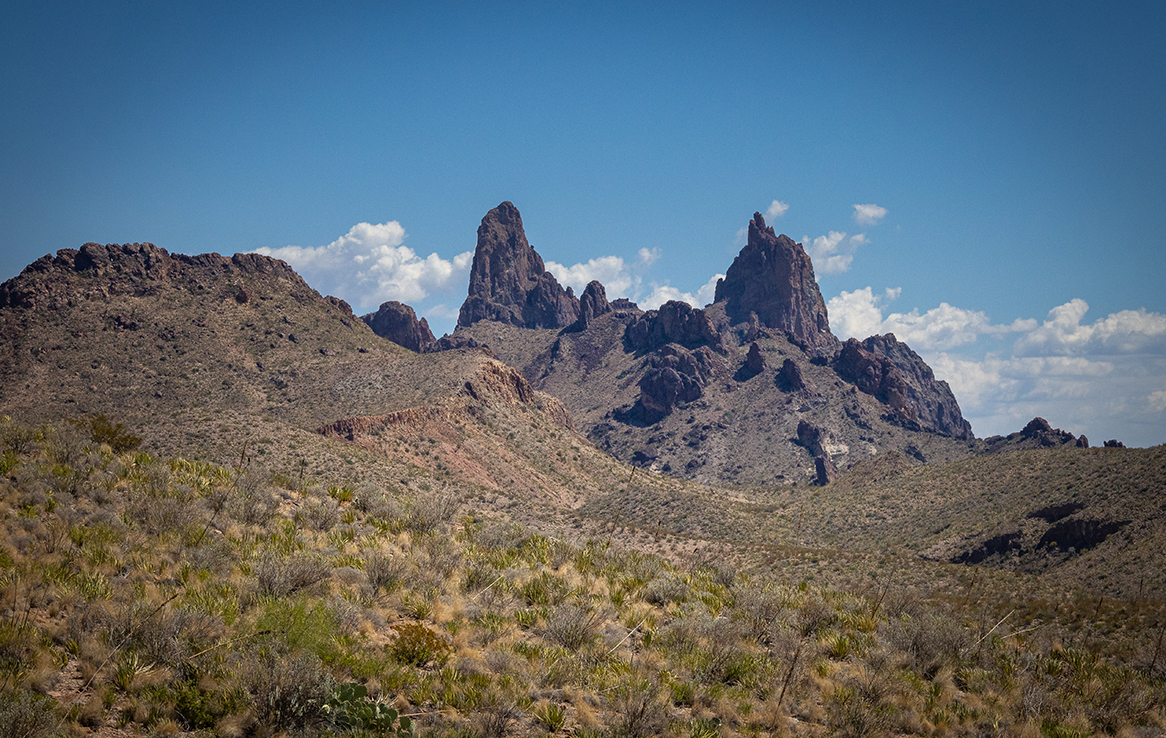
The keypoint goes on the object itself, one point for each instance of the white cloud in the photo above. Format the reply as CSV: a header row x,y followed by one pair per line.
x,y
855,314
617,280
869,214
833,253
705,294
776,209
859,314
369,265
662,293
1124,332
1102,378
442,312
1157,400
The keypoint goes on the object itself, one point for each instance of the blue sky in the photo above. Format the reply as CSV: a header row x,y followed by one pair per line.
x,y
1011,156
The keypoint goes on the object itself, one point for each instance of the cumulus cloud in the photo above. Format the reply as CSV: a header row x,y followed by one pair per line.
x,y
617,280
834,252
1124,332
776,209
859,314
855,314
1157,400
662,293
869,214
705,294
370,264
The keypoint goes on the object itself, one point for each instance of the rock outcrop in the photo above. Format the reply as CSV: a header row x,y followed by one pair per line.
x,y
676,376
813,439
789,377
508,282
773,277
398,323
889,370
592,304
1038,433
1039,430
675,322
139,270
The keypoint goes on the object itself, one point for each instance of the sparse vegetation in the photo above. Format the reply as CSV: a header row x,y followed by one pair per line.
x,y
405,617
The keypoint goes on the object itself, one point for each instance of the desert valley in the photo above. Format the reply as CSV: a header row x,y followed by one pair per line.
x,y
231,506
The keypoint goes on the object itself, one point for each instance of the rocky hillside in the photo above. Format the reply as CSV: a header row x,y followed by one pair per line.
x,y
201,353
753,389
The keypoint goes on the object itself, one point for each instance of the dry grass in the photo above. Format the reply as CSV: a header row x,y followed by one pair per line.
x,y
212,619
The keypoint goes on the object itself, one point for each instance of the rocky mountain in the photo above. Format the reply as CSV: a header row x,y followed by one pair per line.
x,y
718,394
889,370
313,506
508,282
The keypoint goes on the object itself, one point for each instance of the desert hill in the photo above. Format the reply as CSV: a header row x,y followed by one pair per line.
x,y
226,357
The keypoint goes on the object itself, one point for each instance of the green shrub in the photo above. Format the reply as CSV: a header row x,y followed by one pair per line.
x,y
294,627
417,645
201,709
552,715
103,430
26,715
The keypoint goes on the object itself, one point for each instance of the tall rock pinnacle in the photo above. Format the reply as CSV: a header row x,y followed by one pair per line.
x,y
773,277
508,282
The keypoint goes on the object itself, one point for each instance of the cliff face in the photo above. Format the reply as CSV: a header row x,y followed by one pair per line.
x,y
773,277
508,282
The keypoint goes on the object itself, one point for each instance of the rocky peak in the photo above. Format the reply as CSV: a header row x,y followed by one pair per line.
x,y
774,278
398,323
508,281
136,269
889,370
592,304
